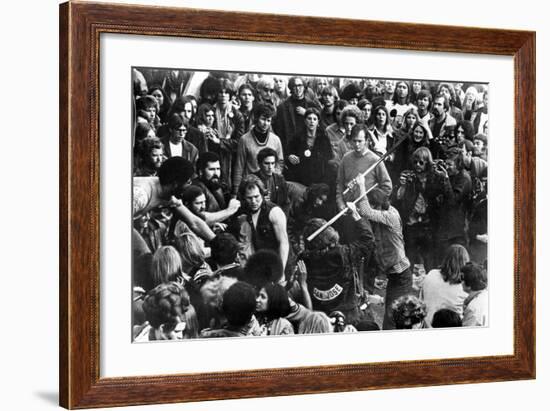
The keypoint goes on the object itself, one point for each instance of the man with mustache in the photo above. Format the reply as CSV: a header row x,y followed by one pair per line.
x,y
209,180
442,125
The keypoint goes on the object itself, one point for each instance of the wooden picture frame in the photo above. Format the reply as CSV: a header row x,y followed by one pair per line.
x,y
80,27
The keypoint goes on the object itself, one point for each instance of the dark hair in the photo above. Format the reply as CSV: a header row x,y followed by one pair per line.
x,y
379,198
176,121
350,91
468,129
225,84
266,152
366,325
179,105
364,103
394,97
340,104
265,110
146,102
224,248
264,266
326,239
385,110
453,262
148,144
190,193
330,90
239,303
357,129
246,86
201,112
482,137
141,131
175,170
455,153
165,100
474,276
315,191
407,311
164,304
249,182
292,81
312,110
452,100
421,125
445,100
277,301
425,93
445,318
205,158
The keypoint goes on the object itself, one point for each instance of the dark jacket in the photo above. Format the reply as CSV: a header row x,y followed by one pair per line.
x,y
315,168
333,274
263,236
287,123
279,193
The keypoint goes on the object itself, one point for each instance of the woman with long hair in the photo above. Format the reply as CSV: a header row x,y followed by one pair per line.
x,y
309,154
316,322
163,103
380,133
272,306
442,287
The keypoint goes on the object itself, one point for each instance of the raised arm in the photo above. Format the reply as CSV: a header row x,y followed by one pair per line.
x,y
219,216
197,225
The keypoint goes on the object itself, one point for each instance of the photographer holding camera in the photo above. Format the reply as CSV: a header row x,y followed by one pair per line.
x,y
418,197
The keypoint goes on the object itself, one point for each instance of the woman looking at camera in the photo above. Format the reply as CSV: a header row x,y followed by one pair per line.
x,y
309,154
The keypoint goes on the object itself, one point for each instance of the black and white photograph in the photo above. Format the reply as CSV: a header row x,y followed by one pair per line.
x,y
278,204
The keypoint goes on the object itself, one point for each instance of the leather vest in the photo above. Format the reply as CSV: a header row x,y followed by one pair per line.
x,y
263,236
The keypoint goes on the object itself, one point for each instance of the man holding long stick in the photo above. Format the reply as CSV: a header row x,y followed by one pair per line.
x,y
356,162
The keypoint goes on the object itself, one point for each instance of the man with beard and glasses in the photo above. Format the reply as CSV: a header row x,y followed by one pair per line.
x,y
209,171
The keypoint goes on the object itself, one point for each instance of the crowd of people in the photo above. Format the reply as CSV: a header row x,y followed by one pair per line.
x,y
236,175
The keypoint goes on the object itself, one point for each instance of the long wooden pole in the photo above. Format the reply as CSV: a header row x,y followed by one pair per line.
x,y
340,214
381,159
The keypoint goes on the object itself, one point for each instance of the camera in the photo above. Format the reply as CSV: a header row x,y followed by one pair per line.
x,y
440,165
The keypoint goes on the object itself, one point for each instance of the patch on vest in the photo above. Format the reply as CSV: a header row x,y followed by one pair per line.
x,y
328,295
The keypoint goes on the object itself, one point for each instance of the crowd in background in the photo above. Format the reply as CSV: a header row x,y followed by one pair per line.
x,y
237,174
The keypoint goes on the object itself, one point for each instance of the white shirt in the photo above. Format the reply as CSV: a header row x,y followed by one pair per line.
x,y
176,149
